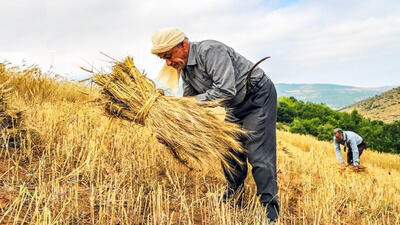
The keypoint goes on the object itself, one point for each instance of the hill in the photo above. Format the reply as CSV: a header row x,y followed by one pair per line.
x,y
335,96
384,107
85,168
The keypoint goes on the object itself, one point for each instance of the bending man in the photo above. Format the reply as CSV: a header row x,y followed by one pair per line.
x,y
352,141
211,71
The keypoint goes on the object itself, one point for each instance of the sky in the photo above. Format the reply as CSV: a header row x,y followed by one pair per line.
x,y
352,42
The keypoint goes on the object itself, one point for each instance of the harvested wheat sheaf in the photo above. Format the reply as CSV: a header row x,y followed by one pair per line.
x,y
11,132
190,129
14,132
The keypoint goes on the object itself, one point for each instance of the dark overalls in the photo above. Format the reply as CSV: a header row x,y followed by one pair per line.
x,y
257,114
361,147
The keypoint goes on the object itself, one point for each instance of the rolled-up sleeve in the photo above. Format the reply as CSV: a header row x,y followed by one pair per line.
x,y
337,150
219,66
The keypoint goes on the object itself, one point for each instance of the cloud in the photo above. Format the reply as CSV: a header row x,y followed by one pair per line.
x,y
309,41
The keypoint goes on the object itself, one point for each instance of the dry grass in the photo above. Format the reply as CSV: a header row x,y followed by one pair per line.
x,y
77,176
35,87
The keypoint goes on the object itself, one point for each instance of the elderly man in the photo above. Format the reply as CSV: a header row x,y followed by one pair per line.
x,y
210,71
352,141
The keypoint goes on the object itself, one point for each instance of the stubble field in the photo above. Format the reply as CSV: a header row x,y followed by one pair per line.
x,y
77,166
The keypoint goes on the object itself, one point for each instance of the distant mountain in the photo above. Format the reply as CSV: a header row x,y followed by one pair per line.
x,y
335,96
384,107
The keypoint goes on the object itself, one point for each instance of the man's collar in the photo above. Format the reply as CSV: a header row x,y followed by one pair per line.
x,y
344,136
192,54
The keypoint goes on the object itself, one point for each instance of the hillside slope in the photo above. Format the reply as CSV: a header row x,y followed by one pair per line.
x,y
335,96
384,107
90,169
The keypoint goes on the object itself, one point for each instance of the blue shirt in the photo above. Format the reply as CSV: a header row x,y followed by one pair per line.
x,y
352,140
216,71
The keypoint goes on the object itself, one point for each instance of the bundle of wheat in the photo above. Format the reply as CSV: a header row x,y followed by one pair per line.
x,y
189,128
10,120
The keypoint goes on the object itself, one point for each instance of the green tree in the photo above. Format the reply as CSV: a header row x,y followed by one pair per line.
x,y
325,132
311,126
286,113
297,127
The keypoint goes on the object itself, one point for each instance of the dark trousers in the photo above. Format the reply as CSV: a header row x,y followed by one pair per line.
x,y
257,114
360,147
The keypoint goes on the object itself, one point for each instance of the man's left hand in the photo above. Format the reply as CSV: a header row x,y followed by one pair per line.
x,y
355,168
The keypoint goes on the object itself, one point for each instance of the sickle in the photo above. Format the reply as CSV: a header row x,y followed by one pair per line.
x,y
251,71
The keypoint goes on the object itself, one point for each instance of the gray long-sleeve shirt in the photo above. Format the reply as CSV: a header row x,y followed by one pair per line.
x,y
352,140
215,71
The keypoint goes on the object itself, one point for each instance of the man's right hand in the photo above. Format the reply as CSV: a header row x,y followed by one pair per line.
x,y
343,165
